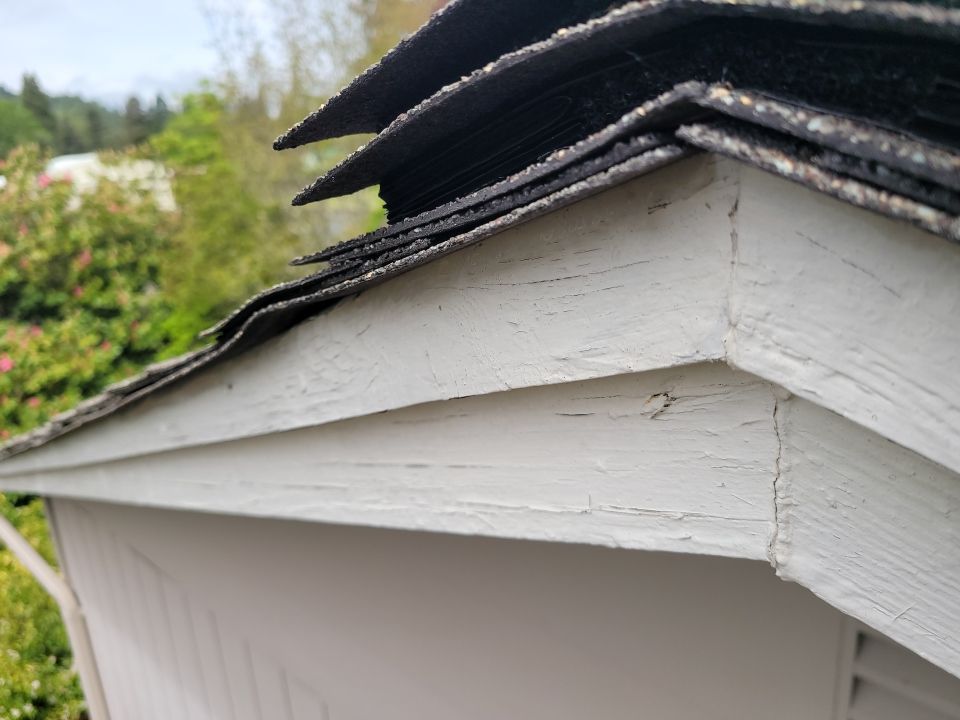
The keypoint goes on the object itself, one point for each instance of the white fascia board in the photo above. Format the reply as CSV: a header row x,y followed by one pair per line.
x,y
870,527
679,460
632,279
704,260
850,310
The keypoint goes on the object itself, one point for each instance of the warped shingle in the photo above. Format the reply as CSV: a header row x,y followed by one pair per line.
x,y
457,39
889,61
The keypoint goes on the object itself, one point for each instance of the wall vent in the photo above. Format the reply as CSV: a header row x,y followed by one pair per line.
x,y
881,680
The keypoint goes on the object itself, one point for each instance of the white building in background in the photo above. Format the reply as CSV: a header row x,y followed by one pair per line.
x,y
84,170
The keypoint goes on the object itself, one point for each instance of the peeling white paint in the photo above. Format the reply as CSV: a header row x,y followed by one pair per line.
x,y
872,528
705,260
586,292
851,311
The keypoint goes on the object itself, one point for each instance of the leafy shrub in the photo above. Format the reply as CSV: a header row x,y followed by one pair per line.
x,y
35,676
80,307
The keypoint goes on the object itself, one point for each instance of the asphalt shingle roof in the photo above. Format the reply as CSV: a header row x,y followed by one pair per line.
x,y
497,112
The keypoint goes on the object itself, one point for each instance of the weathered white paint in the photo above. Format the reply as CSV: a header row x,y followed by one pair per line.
x,y
678,460
872,528
850,310
705,260
586,292
304,621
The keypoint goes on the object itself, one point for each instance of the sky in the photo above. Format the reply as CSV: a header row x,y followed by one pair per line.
x,y
105,49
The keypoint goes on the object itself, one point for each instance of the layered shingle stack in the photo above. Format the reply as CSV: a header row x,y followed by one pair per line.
x,y
497,111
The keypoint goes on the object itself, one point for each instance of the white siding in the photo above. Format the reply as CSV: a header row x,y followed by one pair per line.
x,y
205,616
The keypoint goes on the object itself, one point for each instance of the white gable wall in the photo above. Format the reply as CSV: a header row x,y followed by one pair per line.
x,y
308,621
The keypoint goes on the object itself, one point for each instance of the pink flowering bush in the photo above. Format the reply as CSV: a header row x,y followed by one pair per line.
x,y
79,308
79,305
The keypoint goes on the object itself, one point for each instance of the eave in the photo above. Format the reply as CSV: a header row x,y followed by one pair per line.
x,y
801,352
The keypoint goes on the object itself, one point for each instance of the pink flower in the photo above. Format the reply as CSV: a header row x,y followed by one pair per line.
x,y
34,402
84,258
35,331
44,180
113,207
78,291
105,345
23,230
6,363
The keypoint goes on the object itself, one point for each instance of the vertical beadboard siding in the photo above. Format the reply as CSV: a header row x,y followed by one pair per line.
x,y
162,653
629,280
305,620
850,310
678,460
872,528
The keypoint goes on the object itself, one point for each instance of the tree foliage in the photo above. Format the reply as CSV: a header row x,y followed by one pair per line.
x,y
37,103
18,126
67,124
279,68
229,243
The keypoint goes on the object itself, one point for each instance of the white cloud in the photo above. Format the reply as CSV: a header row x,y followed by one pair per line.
x,y
107,49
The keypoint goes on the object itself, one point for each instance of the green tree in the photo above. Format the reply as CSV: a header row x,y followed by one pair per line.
x,y
135,122
95,131
38,103
18,126
157,115
279,67
80,308
228,243
95,127
68,139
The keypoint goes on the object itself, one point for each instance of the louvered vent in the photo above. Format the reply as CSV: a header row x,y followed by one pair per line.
x,y
885,681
